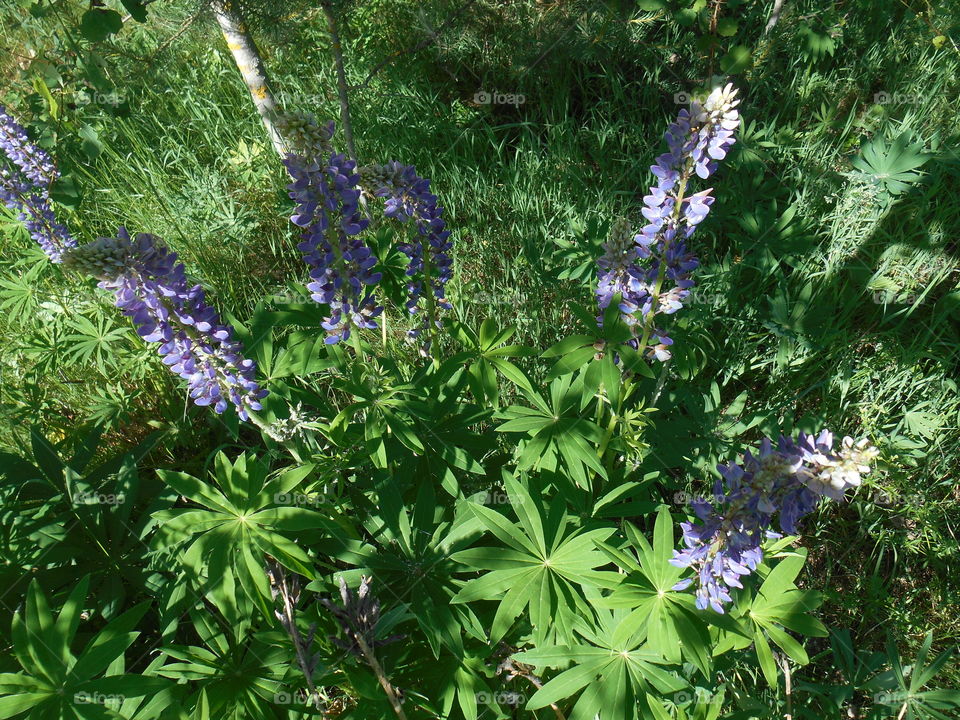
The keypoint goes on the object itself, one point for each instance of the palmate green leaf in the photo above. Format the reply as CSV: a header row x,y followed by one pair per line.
x,y
892,166
54,681
662,616
777,606
239,677
612,672
241,523
540,567
96,342
485,354
901,687
558,430
409,551
20,295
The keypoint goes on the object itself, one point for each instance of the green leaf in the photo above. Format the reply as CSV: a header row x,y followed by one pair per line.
x,y
568,345
567,683
765,658
110,643
137,9
13,705
69,619
737,59
40,85
727,27
91,144
197,490
786,643
782,577
98,24
573,360
892,166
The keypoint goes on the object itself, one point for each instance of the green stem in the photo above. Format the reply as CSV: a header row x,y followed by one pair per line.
x,y
428,292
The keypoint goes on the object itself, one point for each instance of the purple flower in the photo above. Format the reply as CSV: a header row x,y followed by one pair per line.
x,y
408,198
151,288
26,173
620,273
790,478
700,136
343,268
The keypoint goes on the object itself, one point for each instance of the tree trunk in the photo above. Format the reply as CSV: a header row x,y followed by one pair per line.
x,y
248,60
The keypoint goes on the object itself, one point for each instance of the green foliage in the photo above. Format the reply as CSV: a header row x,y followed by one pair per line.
x,y
891,166
55,682
514,502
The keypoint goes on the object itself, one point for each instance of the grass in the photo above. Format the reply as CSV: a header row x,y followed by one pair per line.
x,y
798,249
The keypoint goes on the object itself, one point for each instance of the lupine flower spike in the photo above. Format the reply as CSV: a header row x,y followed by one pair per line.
x,y
652,275
343,268
26,173
408,198
151,288
789,479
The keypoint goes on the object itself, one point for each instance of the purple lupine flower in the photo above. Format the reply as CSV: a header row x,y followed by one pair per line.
x,y
620,274
152,289
696,140
343,268
26,173
407,197
789,479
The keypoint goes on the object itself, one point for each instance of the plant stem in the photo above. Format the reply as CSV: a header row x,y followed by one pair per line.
x,y
290,623
341,78
374,664
428,292
785,664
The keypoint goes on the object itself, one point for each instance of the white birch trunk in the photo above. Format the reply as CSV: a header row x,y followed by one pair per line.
x,y
249,63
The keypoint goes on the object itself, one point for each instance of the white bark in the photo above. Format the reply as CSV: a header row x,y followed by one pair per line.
x,y
774,17
249,63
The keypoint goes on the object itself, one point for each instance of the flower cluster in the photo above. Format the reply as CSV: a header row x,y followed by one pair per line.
x,y
151,288
303,136
407,197
789,479
343,268
652,276
358,617
26,173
